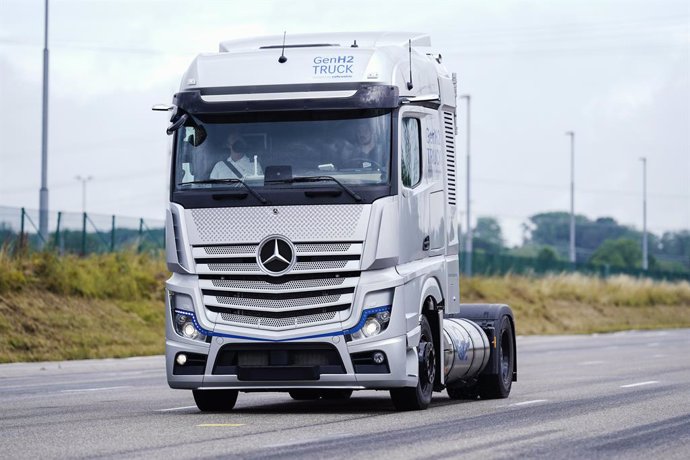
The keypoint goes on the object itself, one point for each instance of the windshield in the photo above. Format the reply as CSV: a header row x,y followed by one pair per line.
x,y
353,147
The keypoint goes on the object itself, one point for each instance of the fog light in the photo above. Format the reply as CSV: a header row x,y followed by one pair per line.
x,y
181,359
378,357
371,327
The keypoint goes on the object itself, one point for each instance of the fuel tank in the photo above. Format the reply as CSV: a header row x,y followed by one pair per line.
x,y
465,348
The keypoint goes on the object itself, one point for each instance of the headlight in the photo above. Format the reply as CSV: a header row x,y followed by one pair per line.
x,y
183,317
185,327
374,321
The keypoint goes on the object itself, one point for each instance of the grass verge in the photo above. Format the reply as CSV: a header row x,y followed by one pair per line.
x,y
576,304
111,306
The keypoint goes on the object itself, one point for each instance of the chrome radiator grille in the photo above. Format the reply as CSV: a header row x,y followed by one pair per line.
x,y
318,290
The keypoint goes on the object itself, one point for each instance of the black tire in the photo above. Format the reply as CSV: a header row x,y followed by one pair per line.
x,y
215,400
305,395
336,394
497,386
419,397
463,392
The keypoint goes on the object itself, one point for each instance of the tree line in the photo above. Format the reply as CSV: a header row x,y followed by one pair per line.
x,y
601,241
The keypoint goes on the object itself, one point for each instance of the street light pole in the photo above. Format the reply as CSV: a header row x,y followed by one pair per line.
x,y
43,194
572,196
83,181
645,254
468,238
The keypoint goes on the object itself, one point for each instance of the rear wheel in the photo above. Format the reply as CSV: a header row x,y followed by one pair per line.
x,y
419,397
498,386
215,400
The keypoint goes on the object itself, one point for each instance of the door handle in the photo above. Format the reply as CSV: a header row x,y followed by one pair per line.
x,y
426,244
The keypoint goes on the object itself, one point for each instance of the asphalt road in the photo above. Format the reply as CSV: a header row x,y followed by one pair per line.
x,y
623,395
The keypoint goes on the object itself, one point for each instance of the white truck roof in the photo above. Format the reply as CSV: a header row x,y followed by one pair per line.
x,y
353,57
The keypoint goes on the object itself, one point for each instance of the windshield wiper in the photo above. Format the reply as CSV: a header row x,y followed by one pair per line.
x,y
254,193
319,179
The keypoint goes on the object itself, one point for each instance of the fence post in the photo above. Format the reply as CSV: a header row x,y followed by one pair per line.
x,y
83,234
57,231
20,246
112,235
141,233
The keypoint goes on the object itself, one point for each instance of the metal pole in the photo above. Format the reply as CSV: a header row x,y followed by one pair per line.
x,y
468,238
83,234
43,196
141,234
112,234
83,180
645,254
57,229
20,246
572,196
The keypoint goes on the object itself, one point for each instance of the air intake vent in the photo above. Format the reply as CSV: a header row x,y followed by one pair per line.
x,y
177,234
449,137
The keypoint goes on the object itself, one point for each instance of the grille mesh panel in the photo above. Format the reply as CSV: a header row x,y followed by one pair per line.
x,y
322,247
321,223
234,267
279,303
264,286
321,265
279,322
222,250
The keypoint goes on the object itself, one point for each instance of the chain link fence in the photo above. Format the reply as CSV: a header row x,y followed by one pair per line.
x,y
492,264
78,233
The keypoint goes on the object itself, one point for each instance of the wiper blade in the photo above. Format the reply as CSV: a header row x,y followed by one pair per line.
x,y
254,193
319,179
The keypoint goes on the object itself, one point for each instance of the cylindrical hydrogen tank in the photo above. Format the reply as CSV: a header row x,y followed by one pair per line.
x,y
466,349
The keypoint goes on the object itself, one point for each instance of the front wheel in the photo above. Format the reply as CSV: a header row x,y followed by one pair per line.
x,y
215,400
418,398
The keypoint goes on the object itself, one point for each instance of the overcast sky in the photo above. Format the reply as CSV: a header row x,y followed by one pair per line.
x,y
615,72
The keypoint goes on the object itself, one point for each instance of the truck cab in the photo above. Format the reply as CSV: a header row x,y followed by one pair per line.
x,y
312,227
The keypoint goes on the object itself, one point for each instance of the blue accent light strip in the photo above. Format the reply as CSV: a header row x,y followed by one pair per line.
x,y
365,314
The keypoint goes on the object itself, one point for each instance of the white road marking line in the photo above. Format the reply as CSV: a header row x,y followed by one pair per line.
x,y
525,403
176,408
94,389
653,344
639,384
659,356
591,363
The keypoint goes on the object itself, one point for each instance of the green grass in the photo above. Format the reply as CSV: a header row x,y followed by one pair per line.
x,y
102,306
112,305
572,303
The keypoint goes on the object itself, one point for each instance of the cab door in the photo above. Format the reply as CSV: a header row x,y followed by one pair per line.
x,y
414,189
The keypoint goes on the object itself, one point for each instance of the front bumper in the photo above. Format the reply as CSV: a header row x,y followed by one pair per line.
x,y
401,363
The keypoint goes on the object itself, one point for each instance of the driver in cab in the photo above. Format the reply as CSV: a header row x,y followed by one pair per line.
x,y
366,153
240,163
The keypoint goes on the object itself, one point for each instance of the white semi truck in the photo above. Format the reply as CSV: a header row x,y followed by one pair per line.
x,y
312,229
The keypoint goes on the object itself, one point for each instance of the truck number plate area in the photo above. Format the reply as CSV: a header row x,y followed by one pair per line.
x,y
275,362
278,373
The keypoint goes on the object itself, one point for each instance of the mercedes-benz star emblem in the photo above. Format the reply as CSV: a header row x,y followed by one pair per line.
x,y
276,255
